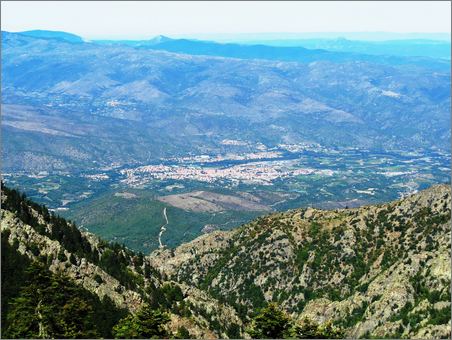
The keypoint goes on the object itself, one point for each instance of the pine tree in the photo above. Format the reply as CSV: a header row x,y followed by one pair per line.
x,y
270,323
146,323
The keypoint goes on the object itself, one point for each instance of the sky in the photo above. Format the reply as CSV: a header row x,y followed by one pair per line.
x,y
140,19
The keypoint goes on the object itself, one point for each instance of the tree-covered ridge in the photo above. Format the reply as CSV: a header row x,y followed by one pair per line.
x,y
39,304
43,254
273,323
40,298
374,270
115,259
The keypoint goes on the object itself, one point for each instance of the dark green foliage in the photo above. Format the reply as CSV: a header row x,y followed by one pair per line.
x,y
233,331
182,333
172,292
34,249
116,264
61,256
423,292
414,320
363,288
253,293
272,323
334,294
302,256
52,306
72,259
439,316
314,230
269,323
115,258
13,273
168,297
146,323
98,279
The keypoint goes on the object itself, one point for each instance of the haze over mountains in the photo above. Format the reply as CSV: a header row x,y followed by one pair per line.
x,y
208,165
411,47
134,102
111,133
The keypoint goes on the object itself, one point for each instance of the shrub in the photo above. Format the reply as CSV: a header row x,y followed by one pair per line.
x,y
307,329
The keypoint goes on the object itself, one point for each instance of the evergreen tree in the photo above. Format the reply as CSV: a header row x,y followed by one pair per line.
x,y
146,323
182,333
270,323
50,306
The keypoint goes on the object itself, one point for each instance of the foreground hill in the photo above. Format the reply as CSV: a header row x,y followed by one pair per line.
x,y
377,270
380,271
58,282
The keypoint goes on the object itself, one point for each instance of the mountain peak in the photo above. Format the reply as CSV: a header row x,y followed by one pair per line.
x,y
159,39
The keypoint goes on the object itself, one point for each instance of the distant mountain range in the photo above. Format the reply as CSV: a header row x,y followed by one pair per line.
x,y
68,103
43,34
411,47
288,36
340,50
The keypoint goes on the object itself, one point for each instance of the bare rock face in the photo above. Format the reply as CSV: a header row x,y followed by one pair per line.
x,y
213,310
168,260
370,269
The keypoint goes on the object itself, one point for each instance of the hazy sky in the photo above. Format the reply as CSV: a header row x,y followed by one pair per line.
x,y
103,19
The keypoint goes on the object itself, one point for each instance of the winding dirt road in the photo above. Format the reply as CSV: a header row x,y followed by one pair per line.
x,y
163,228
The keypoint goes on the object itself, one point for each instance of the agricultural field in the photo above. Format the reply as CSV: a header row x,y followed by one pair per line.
x,y
216,192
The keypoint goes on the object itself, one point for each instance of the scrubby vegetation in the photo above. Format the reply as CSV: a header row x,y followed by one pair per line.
x,y
348,256
279,264
273,323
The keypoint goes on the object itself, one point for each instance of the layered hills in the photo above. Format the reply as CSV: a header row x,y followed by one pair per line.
x,y
380,271
71,105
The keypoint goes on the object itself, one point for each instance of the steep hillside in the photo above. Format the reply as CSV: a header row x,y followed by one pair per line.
x,y
51,272
376,270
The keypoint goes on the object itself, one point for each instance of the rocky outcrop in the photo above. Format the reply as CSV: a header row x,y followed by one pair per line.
x,y
380,271
368,269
